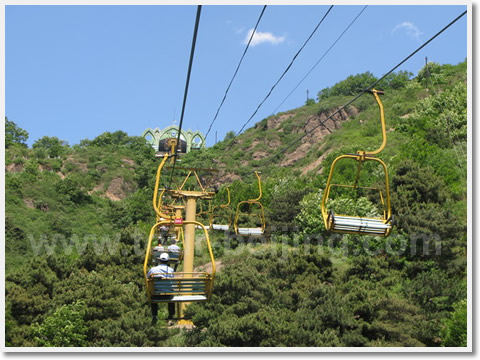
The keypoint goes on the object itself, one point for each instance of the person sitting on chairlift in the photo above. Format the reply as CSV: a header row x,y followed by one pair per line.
x,y
162,271
159,246
174,248
163,234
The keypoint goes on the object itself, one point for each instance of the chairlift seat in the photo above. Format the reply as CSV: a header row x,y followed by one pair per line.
x,y
359,225
250,231
220,227
182,287
198,227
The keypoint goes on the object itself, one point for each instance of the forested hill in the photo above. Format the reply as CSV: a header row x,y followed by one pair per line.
x,y
77,218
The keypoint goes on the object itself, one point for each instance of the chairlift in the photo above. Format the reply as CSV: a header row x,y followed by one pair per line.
x,y
179,286
352,224
260,215
221,212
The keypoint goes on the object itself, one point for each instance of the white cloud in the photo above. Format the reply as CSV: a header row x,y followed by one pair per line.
x,y
411,29
262,37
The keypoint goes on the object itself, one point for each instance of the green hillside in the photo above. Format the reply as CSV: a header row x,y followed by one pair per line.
x,y
77,220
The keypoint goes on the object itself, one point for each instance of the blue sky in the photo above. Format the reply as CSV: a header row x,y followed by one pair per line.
x,y
77,71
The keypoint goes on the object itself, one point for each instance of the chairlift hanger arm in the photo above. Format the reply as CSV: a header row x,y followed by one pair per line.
x,y
382,121
223,206
259,188
156,202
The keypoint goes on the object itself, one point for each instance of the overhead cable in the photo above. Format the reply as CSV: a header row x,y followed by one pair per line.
x,y
236,71
321,58
281,77
187,83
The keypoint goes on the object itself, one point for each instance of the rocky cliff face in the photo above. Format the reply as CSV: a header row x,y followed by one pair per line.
x,y
276,132
316,128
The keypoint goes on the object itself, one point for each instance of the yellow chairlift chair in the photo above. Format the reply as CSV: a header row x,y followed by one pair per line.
x,y
352,224
221,212
249,231
180,286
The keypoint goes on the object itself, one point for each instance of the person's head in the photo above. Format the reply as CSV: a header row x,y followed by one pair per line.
x,y
173,242
164,258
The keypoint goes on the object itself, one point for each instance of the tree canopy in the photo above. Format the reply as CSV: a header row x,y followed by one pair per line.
x,y
14,134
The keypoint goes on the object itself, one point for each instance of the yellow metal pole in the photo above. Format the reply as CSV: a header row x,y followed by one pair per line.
x,y
178,230
189,242
190,215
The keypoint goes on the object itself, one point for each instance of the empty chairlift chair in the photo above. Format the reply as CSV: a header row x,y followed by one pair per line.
x,y
352,224
221,216
259,216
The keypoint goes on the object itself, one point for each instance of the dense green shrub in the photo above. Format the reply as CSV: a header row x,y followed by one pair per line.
x,y
455,331
441,117
65,327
